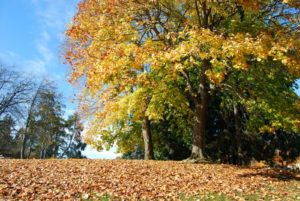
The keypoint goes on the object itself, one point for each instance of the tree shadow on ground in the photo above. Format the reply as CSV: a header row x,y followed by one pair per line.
x,y
277,173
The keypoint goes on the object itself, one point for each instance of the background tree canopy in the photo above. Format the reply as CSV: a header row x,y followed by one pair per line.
x,y
32,123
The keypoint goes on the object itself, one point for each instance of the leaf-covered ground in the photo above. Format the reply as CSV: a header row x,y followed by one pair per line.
x,y
83,179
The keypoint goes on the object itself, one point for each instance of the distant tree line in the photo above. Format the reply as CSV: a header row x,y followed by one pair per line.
x,y
32,122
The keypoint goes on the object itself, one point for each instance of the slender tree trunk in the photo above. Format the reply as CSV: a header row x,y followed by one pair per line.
x,y
56,151
41,154
44,153
237,134
30,149
198,148
147,139
28,156
23,148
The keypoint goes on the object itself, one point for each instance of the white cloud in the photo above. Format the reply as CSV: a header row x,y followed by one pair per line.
x,y
38,69
55,14
45,52
35,67
8,55
58,77
45,36
42,47
12,54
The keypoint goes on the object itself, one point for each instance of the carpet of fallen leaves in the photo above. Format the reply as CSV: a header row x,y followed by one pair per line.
x,y
85,179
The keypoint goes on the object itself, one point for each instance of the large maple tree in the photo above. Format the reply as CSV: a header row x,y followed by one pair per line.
x,y
130,56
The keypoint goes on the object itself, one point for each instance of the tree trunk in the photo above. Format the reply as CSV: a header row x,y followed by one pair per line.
x,y
237,135
29,153
23,148
198,149
30,150
41,154
147,139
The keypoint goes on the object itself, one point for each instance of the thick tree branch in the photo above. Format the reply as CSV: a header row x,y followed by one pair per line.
x,y
198,13
193,93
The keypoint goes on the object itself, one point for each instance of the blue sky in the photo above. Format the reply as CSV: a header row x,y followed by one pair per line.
x,y
30,38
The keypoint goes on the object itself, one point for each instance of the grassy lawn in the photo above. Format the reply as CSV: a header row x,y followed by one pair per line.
x,y
68,179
